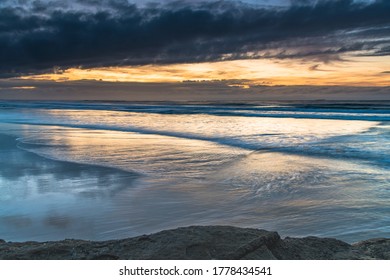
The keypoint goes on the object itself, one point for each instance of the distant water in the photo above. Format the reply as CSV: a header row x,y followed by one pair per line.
x,y
113,170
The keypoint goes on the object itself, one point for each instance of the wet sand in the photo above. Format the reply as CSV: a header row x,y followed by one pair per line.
x,y
43,199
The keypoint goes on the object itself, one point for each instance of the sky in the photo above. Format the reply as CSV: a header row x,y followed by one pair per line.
x,y
244,43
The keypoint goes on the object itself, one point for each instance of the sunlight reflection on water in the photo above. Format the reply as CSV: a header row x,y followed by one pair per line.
x,y
147,172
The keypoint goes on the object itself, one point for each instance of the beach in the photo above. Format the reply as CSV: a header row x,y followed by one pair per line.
x,y
97,171
44,199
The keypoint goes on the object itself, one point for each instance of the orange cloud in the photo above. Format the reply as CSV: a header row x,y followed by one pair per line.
x,y
364,71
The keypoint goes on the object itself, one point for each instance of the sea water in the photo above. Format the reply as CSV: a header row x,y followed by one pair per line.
x,y
113,170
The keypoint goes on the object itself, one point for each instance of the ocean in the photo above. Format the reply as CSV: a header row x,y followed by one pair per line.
x,y
102,171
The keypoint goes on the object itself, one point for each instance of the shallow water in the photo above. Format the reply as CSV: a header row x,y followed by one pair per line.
x,y
104,171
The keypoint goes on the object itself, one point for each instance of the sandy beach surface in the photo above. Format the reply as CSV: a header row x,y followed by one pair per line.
x,y
107,171
44,199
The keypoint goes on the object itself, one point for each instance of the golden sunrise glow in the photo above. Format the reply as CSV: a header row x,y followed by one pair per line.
x,y
361,71
24,87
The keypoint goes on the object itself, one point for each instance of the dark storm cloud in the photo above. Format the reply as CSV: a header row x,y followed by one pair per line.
x,y
38,35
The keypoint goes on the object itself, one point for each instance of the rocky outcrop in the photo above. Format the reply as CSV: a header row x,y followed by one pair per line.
x,y
201,242
378,248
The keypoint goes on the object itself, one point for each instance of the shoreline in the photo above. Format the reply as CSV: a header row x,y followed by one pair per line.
x,y
62,212
67,198
77,200
200,242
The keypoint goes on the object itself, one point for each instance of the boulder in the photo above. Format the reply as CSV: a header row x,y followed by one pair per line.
x,y
199,243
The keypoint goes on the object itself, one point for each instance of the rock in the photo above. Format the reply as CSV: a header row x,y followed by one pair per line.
x,y
315,248
201,242
378,248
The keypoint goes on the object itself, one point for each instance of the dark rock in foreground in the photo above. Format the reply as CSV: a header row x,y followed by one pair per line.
x,y
201,242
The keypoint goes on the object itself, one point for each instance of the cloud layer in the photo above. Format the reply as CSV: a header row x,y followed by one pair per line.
x,y
39,36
